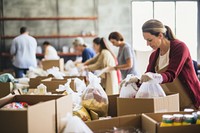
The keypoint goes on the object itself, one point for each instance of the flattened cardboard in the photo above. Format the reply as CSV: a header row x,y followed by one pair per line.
x,y
126,106
47,64
5,89
119,122
150,123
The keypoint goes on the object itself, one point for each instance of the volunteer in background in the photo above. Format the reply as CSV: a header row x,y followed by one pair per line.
x,y
50,52
103,59
23,50
171,64
81,47
126,56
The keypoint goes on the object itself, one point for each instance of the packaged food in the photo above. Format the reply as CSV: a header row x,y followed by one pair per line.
x,y
198,118
178,119
15,105
188,119
82,113
94,97
167,120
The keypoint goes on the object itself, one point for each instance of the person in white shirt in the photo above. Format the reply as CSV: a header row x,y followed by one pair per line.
x,y
50,52
23,51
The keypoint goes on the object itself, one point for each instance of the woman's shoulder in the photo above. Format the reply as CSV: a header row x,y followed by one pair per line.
x,y
178,45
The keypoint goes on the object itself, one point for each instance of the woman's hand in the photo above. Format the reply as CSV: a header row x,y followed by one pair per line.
x,y
151,76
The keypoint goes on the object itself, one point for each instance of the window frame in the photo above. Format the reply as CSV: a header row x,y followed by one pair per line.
x,y
198,19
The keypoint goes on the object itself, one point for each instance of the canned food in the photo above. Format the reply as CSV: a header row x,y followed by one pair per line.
x,y
188,119
198,118
178,119
167,120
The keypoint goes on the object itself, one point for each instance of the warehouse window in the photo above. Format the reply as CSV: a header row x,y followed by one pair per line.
x,y
181,16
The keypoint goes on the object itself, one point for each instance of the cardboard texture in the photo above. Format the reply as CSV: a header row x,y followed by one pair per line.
x,y
126,106
119,122
112,107
44,114
34,82
47,64
150,124
5,89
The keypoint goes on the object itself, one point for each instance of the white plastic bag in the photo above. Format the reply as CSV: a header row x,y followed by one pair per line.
x,y
75,125
94,97
71,68
56,73
150,89
128,91
80,85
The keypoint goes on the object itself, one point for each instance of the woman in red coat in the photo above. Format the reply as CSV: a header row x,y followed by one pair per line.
x,y
171,64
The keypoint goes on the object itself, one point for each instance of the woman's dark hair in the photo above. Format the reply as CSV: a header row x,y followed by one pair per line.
x,y
155,27
116,35
103,45
46,43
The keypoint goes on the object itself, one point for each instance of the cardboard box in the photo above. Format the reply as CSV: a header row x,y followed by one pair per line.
x,y
150,123
170,103
118,122
5,89
44,114
34,82
112,107
47,64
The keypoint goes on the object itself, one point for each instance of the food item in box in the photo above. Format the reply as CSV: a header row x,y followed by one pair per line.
x,y
94,115
178,119
167,120
82,113
198,118
15,105
188,119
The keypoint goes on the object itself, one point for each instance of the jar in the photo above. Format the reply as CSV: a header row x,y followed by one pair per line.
x,y
167,120
188,119
178,119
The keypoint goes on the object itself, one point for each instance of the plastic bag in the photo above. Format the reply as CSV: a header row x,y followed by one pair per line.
x,y
150,89
56,73
80,85
75,125
6,77
34,72
94,97
128,91
71,68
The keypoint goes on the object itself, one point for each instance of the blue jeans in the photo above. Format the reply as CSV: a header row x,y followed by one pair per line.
x,y
19,72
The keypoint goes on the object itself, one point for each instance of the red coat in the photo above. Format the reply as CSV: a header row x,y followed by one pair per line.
x,y
181,66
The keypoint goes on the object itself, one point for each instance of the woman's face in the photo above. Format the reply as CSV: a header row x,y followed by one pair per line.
x,y
96,47
114,42
153,41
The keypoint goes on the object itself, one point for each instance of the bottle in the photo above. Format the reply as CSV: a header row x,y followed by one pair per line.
x,y
178,119
167,120
198,117
188,119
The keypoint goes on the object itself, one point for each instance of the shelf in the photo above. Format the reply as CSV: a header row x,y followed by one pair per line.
x,y
52,36
4,54
46,18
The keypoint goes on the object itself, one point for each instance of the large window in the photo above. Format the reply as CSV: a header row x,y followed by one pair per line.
x,y
181,16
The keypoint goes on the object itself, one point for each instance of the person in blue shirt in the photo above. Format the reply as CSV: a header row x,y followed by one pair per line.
x,y
81,47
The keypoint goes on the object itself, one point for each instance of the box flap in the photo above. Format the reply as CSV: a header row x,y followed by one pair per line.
x,y
101,125
148,124
64,106
167,104
41,117
5,89
130,121
6,100
134,106
112,107
53,85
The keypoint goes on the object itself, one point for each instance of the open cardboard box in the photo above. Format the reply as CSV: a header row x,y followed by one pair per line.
x,y
47,64
170,103
34,82
5,89
118,122
151,124
43,116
